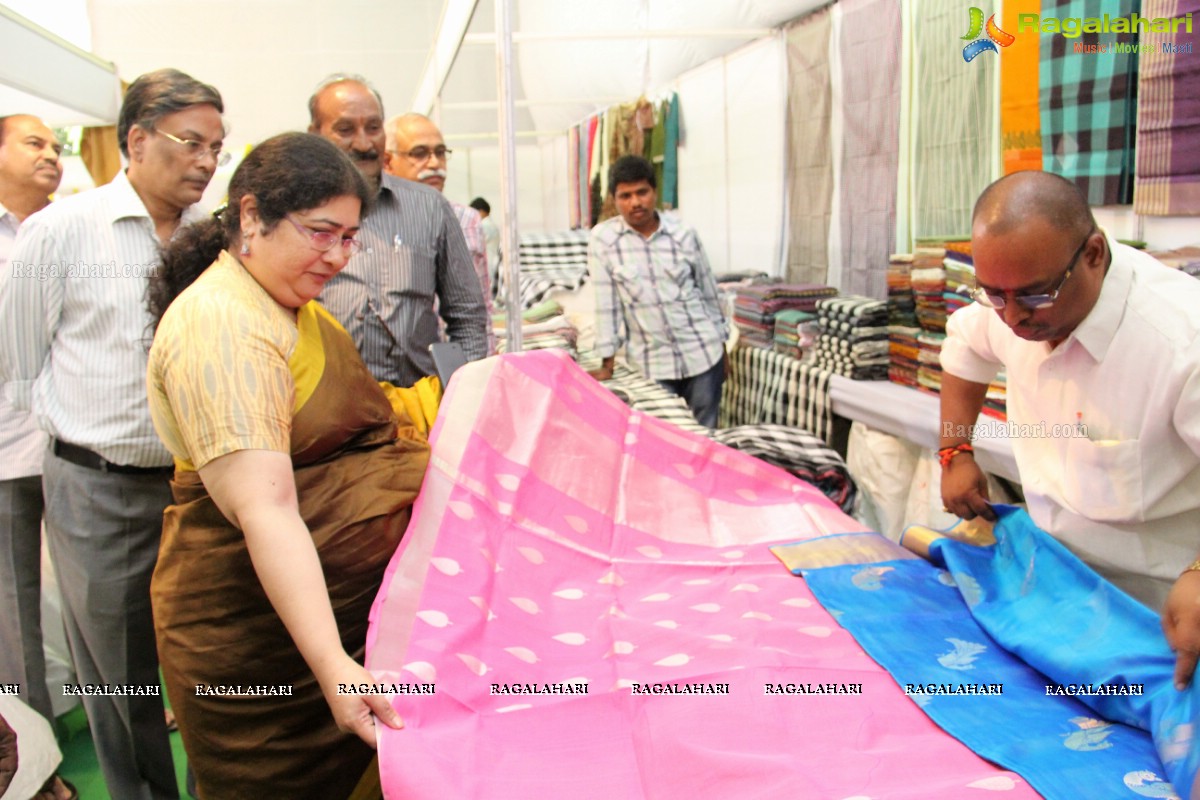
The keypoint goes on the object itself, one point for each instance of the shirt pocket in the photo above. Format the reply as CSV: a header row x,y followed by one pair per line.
x,y
1103,479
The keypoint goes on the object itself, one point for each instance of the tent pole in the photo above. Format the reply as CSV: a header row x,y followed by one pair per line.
x,y
508,170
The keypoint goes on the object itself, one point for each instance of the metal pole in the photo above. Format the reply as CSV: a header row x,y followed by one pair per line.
x,y
508,169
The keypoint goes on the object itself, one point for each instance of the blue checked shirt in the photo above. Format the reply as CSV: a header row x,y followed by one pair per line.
x,y
658,296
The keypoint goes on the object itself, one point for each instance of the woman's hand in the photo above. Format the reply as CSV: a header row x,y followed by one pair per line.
x,y
355,713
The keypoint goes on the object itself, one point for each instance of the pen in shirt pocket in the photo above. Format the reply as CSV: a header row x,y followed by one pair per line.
x,y
396,243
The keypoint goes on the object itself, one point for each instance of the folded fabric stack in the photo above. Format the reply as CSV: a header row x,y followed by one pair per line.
x,y
929,356
542,327
549,262
996,402
903,351
755,307
960,280
902,305
1185,259
929,287
854,337
796,332
798,452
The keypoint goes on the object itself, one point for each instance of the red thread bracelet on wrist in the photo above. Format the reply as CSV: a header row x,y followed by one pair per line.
x,y
946,454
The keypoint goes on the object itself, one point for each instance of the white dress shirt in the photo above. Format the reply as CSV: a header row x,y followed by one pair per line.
x,y
76,291
1116,476
21,441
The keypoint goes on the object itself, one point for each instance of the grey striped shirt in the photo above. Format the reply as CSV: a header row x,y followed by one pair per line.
x,y
659,294
73,299
413,252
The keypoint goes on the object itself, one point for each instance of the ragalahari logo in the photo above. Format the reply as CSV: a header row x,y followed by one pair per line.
x,y
990,38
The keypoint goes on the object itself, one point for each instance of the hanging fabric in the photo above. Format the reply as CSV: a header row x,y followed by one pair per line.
x,y
870,50
810,155
954,147
1088,104
1020,122
1168,116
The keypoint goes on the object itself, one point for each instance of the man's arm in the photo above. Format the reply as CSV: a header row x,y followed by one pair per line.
x,y
31,304
964,486
459,295
706,282
608,307
1181,613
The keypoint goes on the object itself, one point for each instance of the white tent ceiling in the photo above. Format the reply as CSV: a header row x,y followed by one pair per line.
x,y
266,55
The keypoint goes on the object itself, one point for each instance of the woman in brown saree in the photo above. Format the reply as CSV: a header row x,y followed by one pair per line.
x,y
294,482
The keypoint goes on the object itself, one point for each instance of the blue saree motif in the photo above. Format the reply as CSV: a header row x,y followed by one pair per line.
x,y
1022,652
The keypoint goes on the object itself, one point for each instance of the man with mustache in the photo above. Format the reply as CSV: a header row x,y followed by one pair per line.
x,y
74,298
413,252
417,152
1099,344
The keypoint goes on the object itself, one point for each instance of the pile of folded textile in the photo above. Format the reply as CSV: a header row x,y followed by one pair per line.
x,y
995,404
903,351
929,287
796,332
929,356
542,327
902,305
1185,259
755,307
960,280
854,337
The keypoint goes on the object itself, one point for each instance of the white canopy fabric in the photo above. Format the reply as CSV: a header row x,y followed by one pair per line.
x,y
45,75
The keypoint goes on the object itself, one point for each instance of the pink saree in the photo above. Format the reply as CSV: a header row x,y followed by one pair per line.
x,y
562,541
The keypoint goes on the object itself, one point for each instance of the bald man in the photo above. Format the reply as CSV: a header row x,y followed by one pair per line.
x,y
417,152
30,172
1099,344
414,266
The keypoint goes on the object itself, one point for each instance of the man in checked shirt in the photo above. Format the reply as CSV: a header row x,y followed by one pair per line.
x,y
655,292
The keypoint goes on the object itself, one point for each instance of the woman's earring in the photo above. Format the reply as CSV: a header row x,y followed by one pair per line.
x,y
245,247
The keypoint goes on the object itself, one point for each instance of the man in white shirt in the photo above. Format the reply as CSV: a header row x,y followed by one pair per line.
x,y
30,172
1099,344
491,236
75,296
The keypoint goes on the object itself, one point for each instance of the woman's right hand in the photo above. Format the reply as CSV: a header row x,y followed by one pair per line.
x,y
356,713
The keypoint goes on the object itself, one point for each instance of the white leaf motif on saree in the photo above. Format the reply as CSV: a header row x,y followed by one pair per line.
x,y
446,566
569,594
677,660
996,783
574,639
525,604
437,619
532,555
819,631
473,663
510,482
423,670
523,653
461,510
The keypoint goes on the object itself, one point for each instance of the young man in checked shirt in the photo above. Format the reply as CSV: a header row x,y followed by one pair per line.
x,y
655,293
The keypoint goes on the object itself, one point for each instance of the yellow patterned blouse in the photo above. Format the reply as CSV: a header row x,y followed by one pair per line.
x,y
220,377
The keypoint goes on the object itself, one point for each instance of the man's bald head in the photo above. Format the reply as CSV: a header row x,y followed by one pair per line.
x,y
1015,199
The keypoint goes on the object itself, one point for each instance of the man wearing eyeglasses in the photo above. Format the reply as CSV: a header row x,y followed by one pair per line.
x,y
74,299
414,266
417,152
1099,344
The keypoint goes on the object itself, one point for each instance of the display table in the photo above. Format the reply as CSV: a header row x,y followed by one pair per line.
x,y
914,415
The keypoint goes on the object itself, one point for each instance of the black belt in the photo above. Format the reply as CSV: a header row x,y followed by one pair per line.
x,y
81,456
